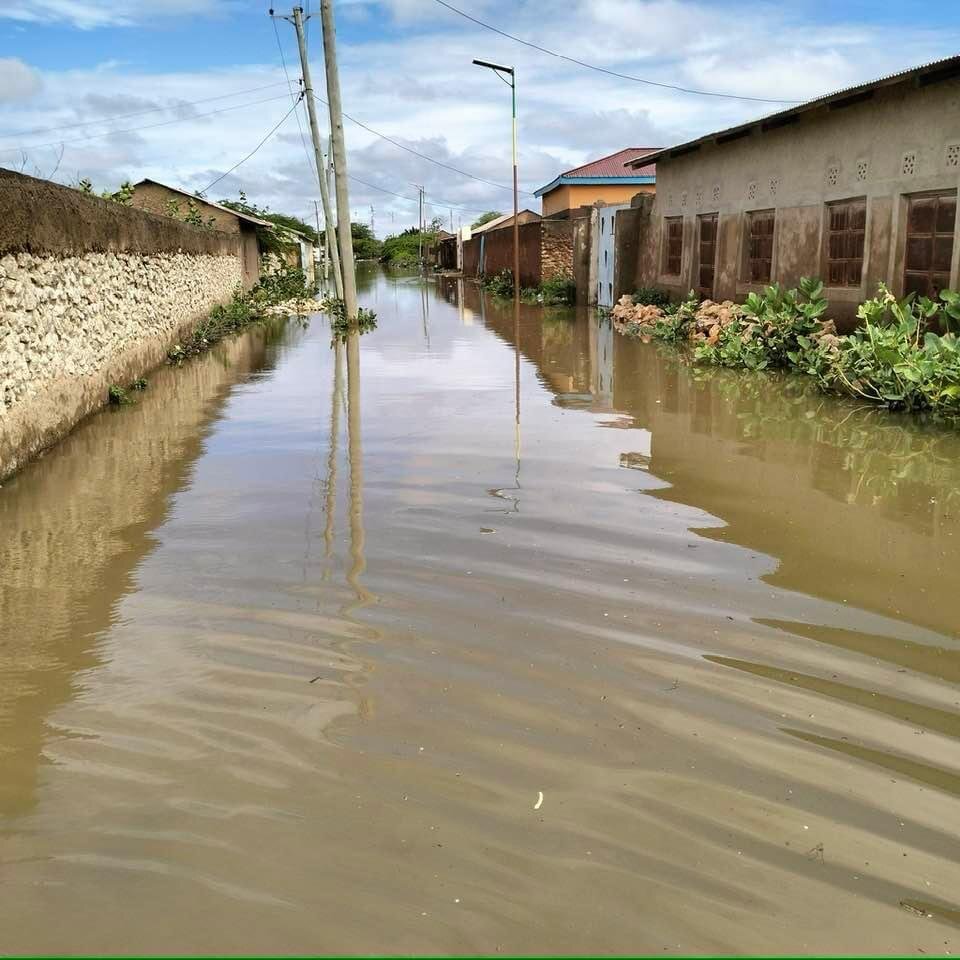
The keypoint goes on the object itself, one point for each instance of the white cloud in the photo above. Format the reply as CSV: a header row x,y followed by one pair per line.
x,y
17,80
419,87
89,14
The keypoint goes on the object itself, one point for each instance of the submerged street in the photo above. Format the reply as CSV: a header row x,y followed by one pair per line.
x,y
475,635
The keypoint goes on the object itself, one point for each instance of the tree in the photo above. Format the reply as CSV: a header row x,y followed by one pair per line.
x,y
365,245
485,218
273,241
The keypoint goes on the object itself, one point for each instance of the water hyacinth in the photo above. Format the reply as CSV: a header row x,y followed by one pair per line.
x,y
904,355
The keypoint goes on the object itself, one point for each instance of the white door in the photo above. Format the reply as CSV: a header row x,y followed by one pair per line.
x,y
605,254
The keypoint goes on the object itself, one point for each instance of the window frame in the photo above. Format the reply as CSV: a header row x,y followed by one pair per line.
x,y
828,232
714,217
905,235
746,261
668,222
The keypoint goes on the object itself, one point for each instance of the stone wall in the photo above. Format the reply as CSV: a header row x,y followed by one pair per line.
x,y
556,249
91,294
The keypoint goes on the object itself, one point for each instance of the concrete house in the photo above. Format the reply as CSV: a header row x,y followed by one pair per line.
x,y
609,180
157,198
856,187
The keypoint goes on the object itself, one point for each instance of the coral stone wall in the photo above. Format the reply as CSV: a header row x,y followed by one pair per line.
x,y
71,326
91,294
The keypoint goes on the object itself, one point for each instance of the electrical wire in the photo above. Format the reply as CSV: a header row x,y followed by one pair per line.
x,y
283,61
255,149
149,126
611,73
400,196
423,156
140,113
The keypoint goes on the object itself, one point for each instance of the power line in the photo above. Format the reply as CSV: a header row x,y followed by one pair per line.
x,y
256,148
283,61
140,113
611,73
149,126
424,156
400,196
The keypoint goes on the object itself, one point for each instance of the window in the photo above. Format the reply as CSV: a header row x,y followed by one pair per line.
x,y
929,249
759,259
673,245
846,224
707,259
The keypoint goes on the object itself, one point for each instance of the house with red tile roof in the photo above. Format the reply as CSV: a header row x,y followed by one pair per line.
x,y
608,180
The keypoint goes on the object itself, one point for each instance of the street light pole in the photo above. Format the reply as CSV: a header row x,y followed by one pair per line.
x,y
500,70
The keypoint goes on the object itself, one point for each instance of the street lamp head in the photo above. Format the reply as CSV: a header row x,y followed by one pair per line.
x,y
494,66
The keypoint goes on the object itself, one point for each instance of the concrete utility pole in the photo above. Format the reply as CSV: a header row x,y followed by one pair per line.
x,y
326,247
318,150
344,234
419,223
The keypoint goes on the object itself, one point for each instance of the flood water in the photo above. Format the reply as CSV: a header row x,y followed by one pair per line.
x,y
291,648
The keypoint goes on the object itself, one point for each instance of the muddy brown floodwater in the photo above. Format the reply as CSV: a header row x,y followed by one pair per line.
x,y
291,649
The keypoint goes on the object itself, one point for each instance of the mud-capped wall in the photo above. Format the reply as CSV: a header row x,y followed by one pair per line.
x,y
91,294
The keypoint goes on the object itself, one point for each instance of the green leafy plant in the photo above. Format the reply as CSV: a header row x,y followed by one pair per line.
x,y
652,297
500,284
140,384
117,396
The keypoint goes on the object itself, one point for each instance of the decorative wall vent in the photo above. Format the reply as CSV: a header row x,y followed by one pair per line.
x,y
716,193
683,199
909,165
863,170
699,198
752,191
833,175
953,154
670,199
774,186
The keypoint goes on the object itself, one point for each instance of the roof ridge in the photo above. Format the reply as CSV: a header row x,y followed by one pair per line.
x,y
590,163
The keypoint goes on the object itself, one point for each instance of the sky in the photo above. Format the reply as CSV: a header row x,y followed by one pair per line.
x,y
181,90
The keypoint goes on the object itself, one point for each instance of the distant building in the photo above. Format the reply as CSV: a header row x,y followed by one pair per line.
x,y
172,201
855,187
609,180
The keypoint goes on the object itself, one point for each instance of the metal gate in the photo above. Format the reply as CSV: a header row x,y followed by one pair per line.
x,y
606,252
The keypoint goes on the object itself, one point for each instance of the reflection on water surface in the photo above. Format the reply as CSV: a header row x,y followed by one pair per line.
x,y
291,648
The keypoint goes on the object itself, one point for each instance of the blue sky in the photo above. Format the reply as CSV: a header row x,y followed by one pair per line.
x,y
405,72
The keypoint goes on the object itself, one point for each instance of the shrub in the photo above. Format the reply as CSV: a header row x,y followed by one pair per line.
x,y
652,296
499,285
894,357
558,289
764,332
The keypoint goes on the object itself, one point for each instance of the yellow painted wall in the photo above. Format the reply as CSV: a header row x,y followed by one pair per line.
x,y
567,197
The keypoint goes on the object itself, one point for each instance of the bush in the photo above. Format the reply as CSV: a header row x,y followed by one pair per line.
x,y
499,285
765,331
652,297
894,358
904,355
559,289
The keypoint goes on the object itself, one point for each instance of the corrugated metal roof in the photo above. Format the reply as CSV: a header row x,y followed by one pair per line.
x,y
612,168
945,68
502,221
615,165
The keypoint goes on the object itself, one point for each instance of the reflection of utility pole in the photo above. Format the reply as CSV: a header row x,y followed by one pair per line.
x,y
331,486
358,561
